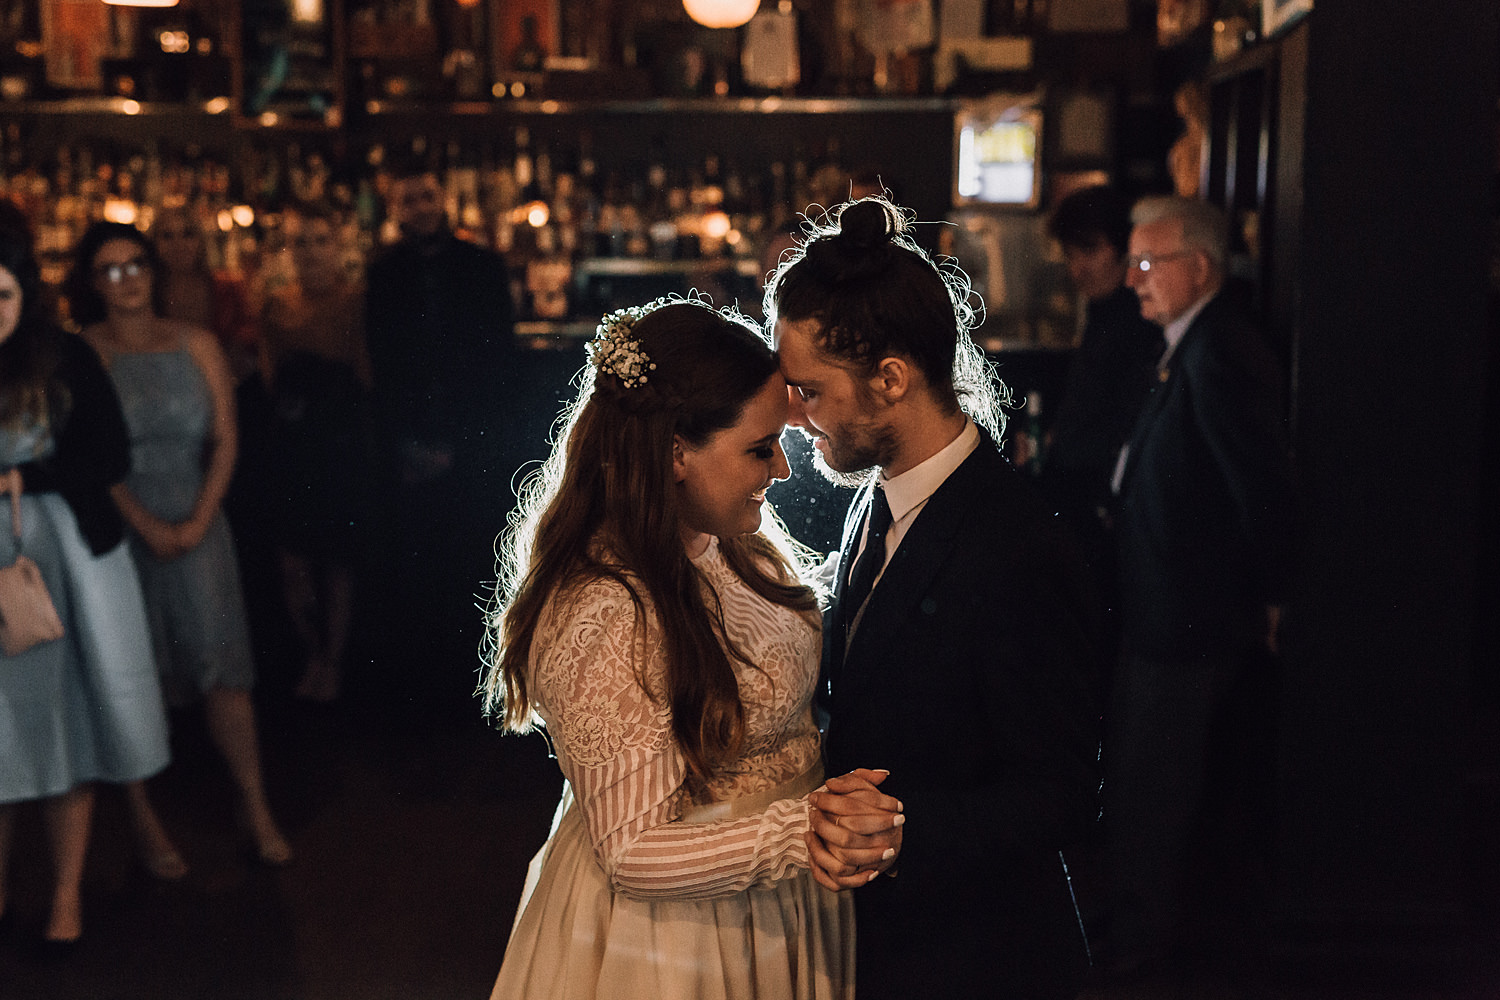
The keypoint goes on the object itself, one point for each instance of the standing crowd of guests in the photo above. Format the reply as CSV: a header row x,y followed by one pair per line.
x,y
187,406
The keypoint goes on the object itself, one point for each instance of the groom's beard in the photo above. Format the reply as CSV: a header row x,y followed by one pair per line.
x,y
852,460
853,480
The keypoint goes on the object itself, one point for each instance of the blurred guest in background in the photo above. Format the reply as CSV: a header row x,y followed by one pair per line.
x,y
1204,526
448,397
193,292
1109,374
176,390
319,474
85,707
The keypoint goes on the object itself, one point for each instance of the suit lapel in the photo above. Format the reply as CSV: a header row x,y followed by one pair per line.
x,y
924,549
1160,393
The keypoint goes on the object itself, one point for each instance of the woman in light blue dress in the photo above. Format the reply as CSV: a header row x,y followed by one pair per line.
x,y
177,393
85,707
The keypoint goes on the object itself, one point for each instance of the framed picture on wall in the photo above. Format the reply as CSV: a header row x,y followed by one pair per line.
x,y
1277,14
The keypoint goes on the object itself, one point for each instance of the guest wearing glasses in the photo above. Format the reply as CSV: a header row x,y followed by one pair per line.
x,y
177,392
1204,526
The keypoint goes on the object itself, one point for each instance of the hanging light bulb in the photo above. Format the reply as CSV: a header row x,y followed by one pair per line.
x,y
721,13
141,3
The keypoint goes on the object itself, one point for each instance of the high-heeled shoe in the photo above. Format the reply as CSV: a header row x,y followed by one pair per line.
x,y
167,865
274,854
271,848
54,951
51,951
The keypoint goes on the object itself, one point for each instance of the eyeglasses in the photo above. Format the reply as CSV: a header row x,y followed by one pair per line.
x,y
1146,261
116,273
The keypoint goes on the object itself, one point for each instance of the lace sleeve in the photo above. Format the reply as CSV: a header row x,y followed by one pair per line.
x,y
617,751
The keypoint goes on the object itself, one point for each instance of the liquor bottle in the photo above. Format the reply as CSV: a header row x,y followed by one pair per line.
x,y
1030,452
548,275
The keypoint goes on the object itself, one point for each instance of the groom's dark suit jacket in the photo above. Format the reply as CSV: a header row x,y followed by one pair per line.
x,y
969,678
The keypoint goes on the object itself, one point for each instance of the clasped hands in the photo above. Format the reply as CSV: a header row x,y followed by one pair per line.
x,y
169,540
855,829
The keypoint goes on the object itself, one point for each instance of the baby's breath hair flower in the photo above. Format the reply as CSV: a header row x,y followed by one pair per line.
x,y
615,350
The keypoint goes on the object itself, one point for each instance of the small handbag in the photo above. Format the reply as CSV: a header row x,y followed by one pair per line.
x,y
27,615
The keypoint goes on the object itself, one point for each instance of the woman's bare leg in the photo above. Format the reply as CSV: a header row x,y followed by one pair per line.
x,y
231,723
68,817
7,823
157,851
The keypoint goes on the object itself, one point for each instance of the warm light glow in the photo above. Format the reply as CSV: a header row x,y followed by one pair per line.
x,y
721,13
715,225
537,214
174,42
243,216
225,220
216,106
142,3
120,210
467,3
130,107
307,11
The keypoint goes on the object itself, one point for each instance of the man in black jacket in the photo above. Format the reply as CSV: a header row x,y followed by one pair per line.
x,y
1204,526
439,320
966,670
1109,373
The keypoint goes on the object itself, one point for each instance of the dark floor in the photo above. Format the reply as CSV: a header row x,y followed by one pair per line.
x,y
413,824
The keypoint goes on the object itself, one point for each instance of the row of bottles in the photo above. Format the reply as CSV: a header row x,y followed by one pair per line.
x,y
314,60
554,212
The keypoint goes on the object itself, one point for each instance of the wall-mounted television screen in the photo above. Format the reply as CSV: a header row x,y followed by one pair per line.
x,y
997,156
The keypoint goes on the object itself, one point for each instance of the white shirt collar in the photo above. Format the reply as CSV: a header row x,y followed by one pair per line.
x,y
1178,328
909,490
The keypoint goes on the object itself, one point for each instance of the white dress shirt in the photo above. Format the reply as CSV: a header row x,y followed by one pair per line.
x,y
1173,333
909,492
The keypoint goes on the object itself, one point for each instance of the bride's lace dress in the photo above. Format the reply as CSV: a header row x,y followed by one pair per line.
x,y
643,891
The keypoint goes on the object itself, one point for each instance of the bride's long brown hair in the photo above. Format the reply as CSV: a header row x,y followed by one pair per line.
x,y
605,505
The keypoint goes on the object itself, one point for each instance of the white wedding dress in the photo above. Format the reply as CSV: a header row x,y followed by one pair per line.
x,y
640,891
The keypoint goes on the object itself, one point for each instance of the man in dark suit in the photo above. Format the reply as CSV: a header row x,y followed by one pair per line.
x,y
966,671
447,382
1204,525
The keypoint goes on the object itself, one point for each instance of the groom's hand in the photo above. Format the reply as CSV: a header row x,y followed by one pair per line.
x,y
855,830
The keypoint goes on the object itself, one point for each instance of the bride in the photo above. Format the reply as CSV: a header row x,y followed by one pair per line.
x,y
652,616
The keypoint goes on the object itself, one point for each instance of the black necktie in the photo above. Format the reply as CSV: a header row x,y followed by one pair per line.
x,y
867,566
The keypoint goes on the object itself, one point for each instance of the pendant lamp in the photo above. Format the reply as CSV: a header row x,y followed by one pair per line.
x,y
721,13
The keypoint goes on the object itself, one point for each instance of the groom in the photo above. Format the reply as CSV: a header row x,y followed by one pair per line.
x,y
965,670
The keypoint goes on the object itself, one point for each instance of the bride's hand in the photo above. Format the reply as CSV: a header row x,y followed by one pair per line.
x,y
855,830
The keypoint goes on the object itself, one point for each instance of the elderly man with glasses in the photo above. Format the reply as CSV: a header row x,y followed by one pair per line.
x,y
1204,524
